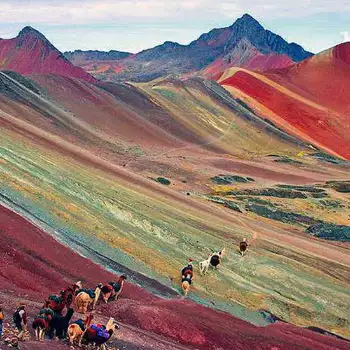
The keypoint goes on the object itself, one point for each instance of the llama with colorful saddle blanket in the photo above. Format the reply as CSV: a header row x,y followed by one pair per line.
x,y
86,297
112,290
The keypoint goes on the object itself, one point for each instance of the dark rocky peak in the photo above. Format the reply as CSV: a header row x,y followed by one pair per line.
x,y
32,33
247,21
29,35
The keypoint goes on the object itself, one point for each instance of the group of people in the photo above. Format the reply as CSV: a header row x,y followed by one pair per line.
x,y
213,260
51,321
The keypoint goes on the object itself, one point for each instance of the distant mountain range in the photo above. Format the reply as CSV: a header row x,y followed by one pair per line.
x,y
226,45
245,44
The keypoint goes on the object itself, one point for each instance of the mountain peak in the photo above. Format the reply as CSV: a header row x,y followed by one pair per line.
x,y
28,34
31,53
28,30
248,17
247,21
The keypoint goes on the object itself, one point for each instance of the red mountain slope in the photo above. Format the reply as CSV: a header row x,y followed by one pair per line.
x,y
30,52
326,77
309,99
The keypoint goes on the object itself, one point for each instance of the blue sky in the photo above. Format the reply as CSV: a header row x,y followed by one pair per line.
x,y
133,25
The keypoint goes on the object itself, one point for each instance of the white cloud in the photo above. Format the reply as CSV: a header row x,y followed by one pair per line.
x,y
133,25
99,11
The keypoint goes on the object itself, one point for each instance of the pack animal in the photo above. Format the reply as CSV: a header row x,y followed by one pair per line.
x,y
85,298
243,246
76,329
112,290
214,260
41,324
99,335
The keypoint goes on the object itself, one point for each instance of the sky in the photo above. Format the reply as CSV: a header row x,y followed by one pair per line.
x,y
134,25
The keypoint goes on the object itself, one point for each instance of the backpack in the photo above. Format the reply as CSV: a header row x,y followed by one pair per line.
x,y
1,315
116,286
56,299
17,317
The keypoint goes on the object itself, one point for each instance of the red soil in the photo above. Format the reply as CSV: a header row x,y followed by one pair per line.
x,y
257,62
33,265
30,52
328,128
324,78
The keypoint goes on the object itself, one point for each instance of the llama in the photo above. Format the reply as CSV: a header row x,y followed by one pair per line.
x,y
76,329
85,298
213,259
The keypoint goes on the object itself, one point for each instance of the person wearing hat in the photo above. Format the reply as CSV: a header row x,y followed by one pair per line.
x,y
20,319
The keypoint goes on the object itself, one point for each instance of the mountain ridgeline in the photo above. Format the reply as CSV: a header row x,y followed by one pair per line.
x,y
171,58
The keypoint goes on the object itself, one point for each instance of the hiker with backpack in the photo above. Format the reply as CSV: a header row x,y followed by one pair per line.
x,y
2,316
20,320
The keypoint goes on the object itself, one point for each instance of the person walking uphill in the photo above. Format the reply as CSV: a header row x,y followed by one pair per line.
x,y
187,277
188,269
20,320
2,316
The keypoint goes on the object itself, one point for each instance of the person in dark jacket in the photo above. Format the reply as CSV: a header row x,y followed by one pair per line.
x,y
20,320
187,270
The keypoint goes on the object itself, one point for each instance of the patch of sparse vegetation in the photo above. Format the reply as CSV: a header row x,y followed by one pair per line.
x,y
319,195
287,160
260,201
226,203
230,179
330,231
136,151
339,186
163,181
302,188
327,158
269,192
280,215
332,204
